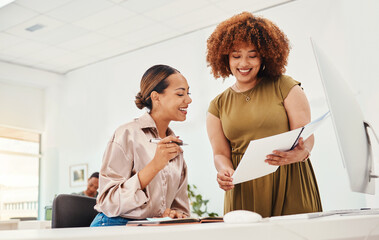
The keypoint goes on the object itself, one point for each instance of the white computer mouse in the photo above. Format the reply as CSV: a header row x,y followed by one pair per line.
x,y
242,216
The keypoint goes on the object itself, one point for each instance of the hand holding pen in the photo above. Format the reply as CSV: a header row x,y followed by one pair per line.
x,y
157,140
167,149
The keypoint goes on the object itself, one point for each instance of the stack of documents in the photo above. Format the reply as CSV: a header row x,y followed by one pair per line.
x,y
170,221
253,165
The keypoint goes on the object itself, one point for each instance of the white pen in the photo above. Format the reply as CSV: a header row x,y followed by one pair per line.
x,y
157,140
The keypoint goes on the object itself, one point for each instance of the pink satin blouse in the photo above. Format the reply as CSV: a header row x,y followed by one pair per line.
x,y
128,152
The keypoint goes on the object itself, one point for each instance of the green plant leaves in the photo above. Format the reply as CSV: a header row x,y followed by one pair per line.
x,y
198,204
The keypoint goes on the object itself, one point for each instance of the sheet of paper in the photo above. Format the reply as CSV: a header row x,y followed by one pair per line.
x,y
252,164
311,127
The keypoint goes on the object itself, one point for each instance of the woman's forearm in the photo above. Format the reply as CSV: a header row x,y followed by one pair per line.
x,y
148,173
222,162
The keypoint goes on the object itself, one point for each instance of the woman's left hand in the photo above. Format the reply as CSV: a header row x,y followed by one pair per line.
x,y
279,158
173,214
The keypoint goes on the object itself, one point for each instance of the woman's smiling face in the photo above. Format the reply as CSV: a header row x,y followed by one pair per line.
x,y
175,99
245,62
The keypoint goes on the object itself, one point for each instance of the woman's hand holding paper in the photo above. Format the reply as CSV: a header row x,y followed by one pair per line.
x,y
298,154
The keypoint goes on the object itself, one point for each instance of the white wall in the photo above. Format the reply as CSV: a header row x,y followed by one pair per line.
x,y
96,99
17,102
29,99
21,102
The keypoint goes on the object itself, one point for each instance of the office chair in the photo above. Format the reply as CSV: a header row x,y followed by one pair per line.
x,y
70,210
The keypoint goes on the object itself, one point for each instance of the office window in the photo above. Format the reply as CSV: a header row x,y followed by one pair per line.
x,y
19,173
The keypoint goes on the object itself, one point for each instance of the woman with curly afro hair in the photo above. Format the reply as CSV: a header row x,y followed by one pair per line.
x,y
262,102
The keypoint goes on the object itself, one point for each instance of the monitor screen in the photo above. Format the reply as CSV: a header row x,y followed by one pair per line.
x,y
348,124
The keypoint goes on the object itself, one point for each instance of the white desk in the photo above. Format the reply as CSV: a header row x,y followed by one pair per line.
x,y
332,227
9,224
15,224
34,224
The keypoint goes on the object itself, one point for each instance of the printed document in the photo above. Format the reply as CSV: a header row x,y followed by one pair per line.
x,y
253,165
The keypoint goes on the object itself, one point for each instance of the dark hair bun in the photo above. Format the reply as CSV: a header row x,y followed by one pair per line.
x,y
140,101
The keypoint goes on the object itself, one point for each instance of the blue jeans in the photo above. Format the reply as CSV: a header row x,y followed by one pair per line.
x,y
101,220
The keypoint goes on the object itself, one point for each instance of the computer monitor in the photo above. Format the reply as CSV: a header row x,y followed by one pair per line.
x,y
349,125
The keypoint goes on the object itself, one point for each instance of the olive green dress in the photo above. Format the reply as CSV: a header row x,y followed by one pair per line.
x,y
292,189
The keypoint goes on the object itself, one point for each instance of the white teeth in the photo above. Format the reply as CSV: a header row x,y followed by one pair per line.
x,y
183,109
244,71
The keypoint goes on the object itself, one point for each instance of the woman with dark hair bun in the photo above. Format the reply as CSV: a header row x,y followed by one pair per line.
x,y
140,179
262,102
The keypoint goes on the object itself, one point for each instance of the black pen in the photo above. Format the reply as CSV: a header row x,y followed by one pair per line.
x,y
157,140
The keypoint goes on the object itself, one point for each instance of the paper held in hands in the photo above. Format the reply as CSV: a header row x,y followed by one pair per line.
x,y
253,165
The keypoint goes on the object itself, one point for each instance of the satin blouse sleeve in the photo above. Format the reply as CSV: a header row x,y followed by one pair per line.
x,y
120,189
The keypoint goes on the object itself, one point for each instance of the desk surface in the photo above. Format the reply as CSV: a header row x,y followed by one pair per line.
x,y
332,227
15,224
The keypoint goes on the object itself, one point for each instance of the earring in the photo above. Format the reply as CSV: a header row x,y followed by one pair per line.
x,y
264,67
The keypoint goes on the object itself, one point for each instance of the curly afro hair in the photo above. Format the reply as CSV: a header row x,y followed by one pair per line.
x,y
271,43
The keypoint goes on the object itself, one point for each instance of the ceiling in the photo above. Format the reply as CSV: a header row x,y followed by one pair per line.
x,y
69,34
